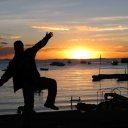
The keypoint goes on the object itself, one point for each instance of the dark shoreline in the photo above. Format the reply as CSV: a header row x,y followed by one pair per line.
x,y
66,119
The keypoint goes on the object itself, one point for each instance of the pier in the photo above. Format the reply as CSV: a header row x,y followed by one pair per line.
x,y
119,77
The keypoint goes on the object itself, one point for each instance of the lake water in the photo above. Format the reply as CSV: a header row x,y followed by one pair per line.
x,y
73,80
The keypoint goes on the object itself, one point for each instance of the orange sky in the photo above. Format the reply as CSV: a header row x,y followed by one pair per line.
x,y
82,29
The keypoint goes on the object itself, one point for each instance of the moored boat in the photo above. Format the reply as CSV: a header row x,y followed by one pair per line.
x,y
57,64
44,69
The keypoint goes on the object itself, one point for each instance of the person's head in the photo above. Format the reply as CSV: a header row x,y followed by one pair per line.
x,y
18,47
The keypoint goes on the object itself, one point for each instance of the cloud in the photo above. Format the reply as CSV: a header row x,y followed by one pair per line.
x,y
81,28
53,49
9,36
15,37
113,28
54,28
91,28
6,52
109,18
121,48
3,43
2,37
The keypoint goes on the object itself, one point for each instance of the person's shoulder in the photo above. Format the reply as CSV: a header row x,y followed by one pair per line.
x,y
29,51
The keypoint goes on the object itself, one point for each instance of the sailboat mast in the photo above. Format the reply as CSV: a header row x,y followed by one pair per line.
x,y
100,64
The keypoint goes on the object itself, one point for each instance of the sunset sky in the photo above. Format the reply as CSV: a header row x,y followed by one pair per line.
x,y
82,28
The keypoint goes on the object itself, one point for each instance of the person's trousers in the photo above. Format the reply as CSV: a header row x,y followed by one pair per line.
x,y
44,83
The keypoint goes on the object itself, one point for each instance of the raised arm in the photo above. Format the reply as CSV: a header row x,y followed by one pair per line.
x,y
42,42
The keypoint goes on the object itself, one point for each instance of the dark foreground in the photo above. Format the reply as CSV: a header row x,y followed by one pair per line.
x,y
68,119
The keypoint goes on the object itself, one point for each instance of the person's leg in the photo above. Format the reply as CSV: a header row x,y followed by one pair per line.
x,y
28,109
51,85
28,94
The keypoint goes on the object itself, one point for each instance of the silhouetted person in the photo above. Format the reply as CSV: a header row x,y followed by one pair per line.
x,y
22,68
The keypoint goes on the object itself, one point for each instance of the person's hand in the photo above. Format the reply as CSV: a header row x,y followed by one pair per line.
x,y
49,35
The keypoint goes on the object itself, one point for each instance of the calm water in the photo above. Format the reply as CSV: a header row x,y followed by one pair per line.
x,y
74,79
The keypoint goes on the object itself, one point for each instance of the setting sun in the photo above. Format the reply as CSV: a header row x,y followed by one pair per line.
x,y
80,54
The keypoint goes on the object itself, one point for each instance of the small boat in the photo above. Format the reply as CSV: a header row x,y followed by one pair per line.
x,y
57,64
89,63
69,61
44,69
114,62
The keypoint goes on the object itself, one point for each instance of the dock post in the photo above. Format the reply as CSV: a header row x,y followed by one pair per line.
x,y
71,102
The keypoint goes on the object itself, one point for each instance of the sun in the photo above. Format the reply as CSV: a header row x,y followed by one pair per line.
x,y
79,54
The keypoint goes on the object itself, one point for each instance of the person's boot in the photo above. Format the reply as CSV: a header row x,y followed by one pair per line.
x,y
51,106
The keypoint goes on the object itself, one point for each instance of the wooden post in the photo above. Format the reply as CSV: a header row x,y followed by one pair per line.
x,y
71,102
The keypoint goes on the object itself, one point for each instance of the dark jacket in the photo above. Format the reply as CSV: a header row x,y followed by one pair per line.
x,y
23,69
